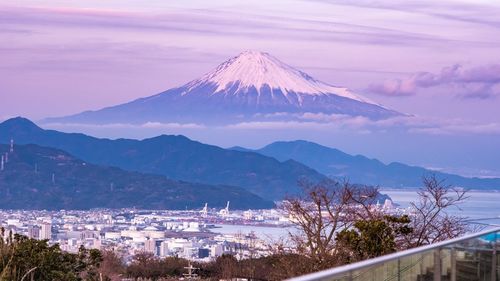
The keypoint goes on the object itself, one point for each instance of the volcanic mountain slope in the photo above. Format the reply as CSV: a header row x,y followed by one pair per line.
x,y
176,157
38,177
360,169
251,86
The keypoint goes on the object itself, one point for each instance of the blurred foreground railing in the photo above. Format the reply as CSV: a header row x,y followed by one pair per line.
x,y
471,257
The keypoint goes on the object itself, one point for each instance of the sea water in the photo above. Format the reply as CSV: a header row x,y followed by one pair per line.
x,y
481,208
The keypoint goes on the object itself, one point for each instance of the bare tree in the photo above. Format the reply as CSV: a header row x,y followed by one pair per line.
x,y
430,219
325,209
338,223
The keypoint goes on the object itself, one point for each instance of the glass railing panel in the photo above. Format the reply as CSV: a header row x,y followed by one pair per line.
x,y
339,277
417,267
474,258
384,271
447,255
470,258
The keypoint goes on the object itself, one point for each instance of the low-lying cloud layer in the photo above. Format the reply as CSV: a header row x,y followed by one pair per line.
x,y
363,125
319,122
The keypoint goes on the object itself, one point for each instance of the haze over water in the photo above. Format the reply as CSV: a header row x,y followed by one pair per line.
x,y
481,207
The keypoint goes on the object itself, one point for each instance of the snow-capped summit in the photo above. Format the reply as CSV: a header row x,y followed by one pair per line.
x,y
259,69
253,86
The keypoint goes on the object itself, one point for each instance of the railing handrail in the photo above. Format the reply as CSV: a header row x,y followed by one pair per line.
x,y
375,261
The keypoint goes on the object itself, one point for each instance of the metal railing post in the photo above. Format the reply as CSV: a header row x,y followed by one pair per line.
x,y
437,264
399,269
494,259
453,260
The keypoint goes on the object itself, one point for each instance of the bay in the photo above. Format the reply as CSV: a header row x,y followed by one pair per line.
x,y
481,207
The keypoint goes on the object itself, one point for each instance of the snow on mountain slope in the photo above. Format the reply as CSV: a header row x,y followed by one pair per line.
x,y
252,86
253,68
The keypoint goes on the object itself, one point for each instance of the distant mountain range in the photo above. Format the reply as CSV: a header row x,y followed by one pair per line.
x,y
176,157
38,177
251,86
210,173
360,169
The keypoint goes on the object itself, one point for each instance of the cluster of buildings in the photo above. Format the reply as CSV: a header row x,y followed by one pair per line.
x,y
195,235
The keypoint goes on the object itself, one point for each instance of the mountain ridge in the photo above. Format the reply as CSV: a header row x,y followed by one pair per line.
x,y
251,86
38,177
363,170
176,157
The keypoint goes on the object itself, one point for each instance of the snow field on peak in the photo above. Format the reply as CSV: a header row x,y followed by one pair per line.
x,y
252,68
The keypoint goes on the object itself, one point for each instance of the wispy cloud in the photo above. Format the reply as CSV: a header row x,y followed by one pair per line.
x,y
459,128
363,125
319,122
219,23
477,82
483,13
171,42
147,125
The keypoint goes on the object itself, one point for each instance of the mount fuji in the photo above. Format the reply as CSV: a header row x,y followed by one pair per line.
x,y
251,86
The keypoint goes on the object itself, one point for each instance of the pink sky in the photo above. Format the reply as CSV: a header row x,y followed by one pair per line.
x,y
438,60
63,57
